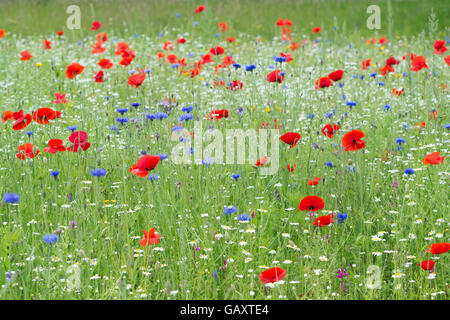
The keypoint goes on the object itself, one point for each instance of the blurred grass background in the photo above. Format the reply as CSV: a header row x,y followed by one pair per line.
x,y
255,17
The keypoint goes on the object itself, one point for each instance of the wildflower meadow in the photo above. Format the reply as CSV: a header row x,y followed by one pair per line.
x,y
224,150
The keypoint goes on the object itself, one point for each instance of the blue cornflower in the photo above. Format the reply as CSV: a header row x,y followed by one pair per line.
x,y
341,217
235,176
279,59
185,117
153,177
208,162
187,109
340,84
150,116
244,217
328,114
72,128
98,172
229,209
236,65
122,120
380,83
161,115
329,164
373,75
132,71
310,116
177,15
195,23
175,65
162,156
29,133
11,198
447,126
50,238
400,140
350,103
250,67
404,74
122,110
135,104
409,171
113,128
177,128
54,174
386,107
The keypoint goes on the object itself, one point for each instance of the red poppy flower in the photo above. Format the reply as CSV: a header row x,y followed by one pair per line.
x,y
365,64
217,50
43,115
60,33
230,39
121,47
391,61
427,264
217,114
7,115
287,56
396,92
144,165
207,59
439,47
336,75
291,167
127,57
275,76
25,55
55,145
2,33
323,220
323,82
386,69
433,158
60,98
447,60
291,138
102,36
234,85
199,9
136,79
272,275
73,70
97,48
352,140
223,26
383,41
316,30
95,25
181,40
105,64
311,203
22,120
315,181
47,44
78,139
99,76
262,161
150,237
421,125
418,63
329,130
26,150
438,248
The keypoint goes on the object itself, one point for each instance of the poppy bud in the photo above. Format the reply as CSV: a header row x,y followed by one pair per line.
x,y
157,266
81,253
227,236
350,162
